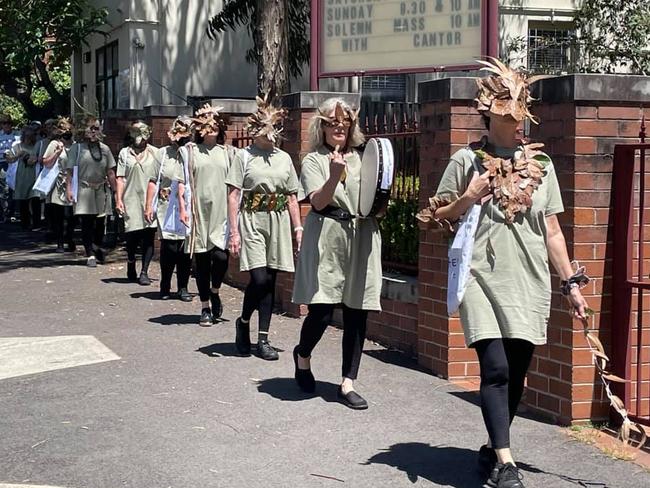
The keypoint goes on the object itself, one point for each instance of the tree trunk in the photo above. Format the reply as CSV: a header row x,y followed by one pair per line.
x,y
272,44
59,100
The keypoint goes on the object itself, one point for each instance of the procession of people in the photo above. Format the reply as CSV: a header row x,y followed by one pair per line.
x,y
209,202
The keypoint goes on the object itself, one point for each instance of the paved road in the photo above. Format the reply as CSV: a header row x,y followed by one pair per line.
x,y
168,404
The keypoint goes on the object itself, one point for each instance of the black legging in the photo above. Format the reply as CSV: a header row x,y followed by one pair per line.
x,y
504,363
30,213
354,334
92,232
63,223
260,295
146,237
211,266
172,255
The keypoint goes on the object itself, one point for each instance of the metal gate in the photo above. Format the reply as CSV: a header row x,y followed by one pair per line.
x,y
631,277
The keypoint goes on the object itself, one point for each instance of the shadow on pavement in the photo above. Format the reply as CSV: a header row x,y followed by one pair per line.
x,y
176,319
441,465
474,398
120,281
396,358
149,295
220,349
285,389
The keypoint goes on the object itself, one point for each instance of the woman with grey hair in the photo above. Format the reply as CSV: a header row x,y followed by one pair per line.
x,y
340,258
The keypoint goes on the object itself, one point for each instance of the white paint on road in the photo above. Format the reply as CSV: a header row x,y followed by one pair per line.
x,y
4,485
21,356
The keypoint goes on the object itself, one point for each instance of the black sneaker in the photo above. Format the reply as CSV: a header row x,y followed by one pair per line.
x,y
243,337
59,249
487,463
100,255
508,476
131,273
304,377
352,399
165,295
215,303
144,279
206,320
184,295
266,351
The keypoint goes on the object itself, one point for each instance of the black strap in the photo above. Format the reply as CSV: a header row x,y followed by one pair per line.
x,y
335,213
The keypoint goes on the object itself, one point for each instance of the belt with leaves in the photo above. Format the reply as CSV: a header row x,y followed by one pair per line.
x,y
265,202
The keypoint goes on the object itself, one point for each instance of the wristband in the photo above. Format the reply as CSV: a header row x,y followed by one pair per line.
x,y
296,229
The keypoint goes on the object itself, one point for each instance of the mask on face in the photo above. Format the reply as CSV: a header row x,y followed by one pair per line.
x,y
140,132
267,121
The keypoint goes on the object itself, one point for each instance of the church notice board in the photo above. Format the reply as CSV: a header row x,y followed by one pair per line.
x,y
408,36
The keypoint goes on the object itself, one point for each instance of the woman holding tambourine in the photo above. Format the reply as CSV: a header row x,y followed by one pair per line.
x,y
513,190
340,258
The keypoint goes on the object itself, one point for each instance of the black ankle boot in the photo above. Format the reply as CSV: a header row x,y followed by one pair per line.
x,y
215,303
266,351
131,273
304,377
243,337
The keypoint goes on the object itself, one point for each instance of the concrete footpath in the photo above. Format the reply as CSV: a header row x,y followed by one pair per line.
x,y
104,386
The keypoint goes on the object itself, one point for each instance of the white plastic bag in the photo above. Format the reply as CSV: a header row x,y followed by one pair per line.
x,y
172,223
11,175
46,179
460,258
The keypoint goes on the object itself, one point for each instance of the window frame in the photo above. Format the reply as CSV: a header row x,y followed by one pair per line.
x,y
106,74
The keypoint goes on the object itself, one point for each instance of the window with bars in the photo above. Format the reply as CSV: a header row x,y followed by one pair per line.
x,y
550,47
384,88
106,73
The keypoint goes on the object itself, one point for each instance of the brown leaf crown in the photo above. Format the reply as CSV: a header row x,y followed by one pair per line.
x,y
208,121
267,120
61,126
340,113
506,91
181,128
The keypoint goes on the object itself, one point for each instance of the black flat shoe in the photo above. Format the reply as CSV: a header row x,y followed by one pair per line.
x,y
304,377
243,337
266,351
351,400
508,476
144,279
217,307
165,295
184,295
206,320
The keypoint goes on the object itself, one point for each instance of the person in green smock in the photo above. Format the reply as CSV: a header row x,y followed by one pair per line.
x,y
56,155
94,174
169,169
262,206
45,137
507,297
340,257
134,167
26,154
203,198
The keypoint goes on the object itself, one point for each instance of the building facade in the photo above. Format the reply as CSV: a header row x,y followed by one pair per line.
x,y
156,52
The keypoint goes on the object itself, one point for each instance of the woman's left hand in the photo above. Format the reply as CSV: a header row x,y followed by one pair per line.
x,y
578,303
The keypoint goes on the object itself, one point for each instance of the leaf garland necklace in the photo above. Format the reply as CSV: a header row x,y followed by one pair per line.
x,y
91,145
513,181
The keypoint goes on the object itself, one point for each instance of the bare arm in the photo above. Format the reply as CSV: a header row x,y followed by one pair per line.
x,y
48,161
181,205
559,257
148,207
296,221
322,197
111,179
68,185
233,212
477,189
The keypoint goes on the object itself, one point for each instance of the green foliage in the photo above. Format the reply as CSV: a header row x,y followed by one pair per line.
x,y
399,231
37,38
610,36
238,13
13,108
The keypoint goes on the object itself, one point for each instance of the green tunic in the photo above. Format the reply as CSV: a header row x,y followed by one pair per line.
x,y
136,179
25,173
208,182
266,236
172,170
93,197
340,262
508,293
58,194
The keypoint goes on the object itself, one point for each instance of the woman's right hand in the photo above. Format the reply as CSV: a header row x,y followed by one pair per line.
x,y
185,218
234,244
149,214
479,187
337,164
69,195
119,206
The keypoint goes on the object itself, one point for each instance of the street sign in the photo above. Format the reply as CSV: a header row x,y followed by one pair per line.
x,y
353,37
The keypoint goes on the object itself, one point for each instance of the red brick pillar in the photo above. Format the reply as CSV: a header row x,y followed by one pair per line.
x,y
448,122
582,118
